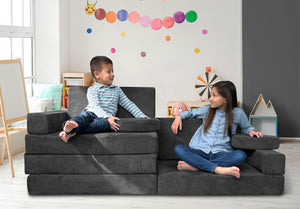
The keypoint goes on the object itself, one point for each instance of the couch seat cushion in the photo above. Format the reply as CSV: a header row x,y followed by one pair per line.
x,y
99,143
105,184
252,182
90,164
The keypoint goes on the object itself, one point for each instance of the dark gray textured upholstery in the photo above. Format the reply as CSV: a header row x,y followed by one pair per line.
x,y
168,140
123,162
139,159
104,184
251,182
261,175
46,122
77,100
90,164
100,143
143,97
253,143
267,161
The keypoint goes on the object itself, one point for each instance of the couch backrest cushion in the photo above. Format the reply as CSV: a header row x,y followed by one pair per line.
x,y
167,140
143,97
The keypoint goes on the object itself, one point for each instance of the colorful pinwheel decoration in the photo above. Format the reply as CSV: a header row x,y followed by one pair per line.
x,y
204,84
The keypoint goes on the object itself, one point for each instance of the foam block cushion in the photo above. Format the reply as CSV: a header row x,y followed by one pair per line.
x,y
63,184
167,140
267,142
252,182
87,144
267,161
91,164
46,122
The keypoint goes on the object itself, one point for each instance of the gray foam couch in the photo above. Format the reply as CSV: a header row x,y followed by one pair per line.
x,y
138,159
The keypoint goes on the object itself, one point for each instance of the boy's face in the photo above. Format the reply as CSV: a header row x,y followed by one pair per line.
x,y
106,75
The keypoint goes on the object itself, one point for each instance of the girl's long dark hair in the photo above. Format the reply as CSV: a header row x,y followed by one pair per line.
x,y
227,90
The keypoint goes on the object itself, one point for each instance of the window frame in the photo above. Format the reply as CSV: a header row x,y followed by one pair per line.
x,y
11,31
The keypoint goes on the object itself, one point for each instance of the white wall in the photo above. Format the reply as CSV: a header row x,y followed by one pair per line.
x,y
64,35
52,36
171,67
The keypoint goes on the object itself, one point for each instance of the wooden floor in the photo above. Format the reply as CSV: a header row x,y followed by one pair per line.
x,y
13,192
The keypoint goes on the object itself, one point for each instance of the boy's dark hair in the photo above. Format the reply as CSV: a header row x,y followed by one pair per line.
x,y
227,90
97,62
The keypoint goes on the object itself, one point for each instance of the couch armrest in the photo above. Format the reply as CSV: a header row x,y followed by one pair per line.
x,y
267,161
138,124
240,141
46,122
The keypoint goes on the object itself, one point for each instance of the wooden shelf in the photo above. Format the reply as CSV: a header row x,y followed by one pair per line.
x,y
264,117
74,79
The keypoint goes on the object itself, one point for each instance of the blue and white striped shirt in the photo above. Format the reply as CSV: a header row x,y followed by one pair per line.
x,y
215,140
103,101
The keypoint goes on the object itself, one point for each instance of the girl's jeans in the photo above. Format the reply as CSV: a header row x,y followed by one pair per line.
x,y
210,161
88,122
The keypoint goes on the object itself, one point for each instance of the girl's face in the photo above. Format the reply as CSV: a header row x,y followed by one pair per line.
x,y
216,100
106,75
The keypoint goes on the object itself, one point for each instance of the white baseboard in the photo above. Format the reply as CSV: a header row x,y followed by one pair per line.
x,y
285,139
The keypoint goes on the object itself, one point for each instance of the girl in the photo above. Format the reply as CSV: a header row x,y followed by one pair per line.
x,y
209,148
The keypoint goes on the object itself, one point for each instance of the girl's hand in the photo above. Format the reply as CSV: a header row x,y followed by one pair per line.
x,y
255,133
113,125
176,123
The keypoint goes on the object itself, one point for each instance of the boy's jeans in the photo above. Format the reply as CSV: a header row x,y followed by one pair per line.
x,y
88,122
210,161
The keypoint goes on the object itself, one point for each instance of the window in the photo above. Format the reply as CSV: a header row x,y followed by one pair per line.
x,y
17,35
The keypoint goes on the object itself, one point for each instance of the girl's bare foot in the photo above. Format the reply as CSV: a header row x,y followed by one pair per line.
x,y
183,166
233,171
69,125
65,137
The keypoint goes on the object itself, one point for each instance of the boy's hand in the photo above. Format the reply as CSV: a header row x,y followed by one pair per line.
x,y
113,125
255,133
176,123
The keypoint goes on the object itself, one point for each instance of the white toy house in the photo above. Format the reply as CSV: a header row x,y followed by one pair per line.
x,y
263,117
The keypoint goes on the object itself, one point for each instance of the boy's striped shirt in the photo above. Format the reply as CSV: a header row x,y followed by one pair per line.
x,y
104,100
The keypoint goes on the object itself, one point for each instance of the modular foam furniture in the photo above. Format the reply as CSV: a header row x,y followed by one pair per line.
x,y
139,159
122,162
261,174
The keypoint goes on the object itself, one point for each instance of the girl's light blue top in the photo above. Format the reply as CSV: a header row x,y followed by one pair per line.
x,y
215,139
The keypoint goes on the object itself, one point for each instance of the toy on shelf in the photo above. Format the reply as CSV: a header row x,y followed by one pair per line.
x,y
179,107
205,82
263,117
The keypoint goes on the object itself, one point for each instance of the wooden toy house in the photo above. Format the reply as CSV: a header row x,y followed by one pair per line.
x,y
263,117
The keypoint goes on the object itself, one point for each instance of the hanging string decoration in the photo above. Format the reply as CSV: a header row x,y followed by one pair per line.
x,y
90,8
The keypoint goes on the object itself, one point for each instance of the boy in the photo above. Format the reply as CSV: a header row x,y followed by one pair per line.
x,y
103,99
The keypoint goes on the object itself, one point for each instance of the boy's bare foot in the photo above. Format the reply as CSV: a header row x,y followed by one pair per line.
x,y
233,171
69,125
183,166
65,137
